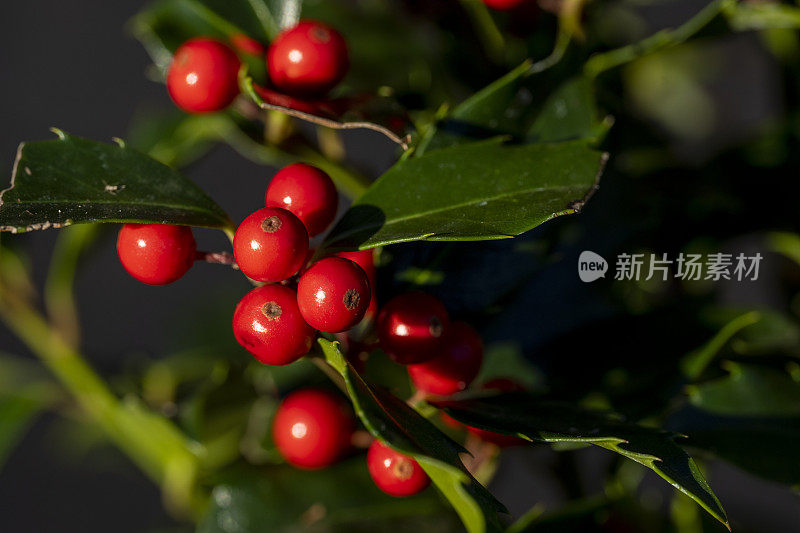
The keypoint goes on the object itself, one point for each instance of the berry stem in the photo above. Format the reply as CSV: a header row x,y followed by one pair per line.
x,y
221,258
59,297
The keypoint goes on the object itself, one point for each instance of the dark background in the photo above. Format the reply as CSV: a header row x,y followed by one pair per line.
x,y
71,65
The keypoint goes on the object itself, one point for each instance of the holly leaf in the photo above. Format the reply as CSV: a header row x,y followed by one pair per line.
x,y
393,421
524,416
71,180
470,192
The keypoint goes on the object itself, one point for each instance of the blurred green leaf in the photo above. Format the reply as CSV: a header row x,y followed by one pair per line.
x,y
770,333
393,421
748,390
72,180
765,446
569,113
477,191
749,16
694,363
524,416
339,498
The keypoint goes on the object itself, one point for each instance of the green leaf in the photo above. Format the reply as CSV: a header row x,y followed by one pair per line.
x,y
520,104
569,113
339,498
749,16
477,191
765,446
748,390
524,416
72,180
393,421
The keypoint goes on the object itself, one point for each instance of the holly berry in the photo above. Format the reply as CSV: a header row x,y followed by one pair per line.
x,y
306,191
156,254
504,5
268,324
366,260
410,327
203,76
394,473
308,60
270,245
455,367
333,294
312,428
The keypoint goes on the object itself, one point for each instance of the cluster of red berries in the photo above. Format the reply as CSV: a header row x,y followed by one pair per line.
x,y
305,61
275,322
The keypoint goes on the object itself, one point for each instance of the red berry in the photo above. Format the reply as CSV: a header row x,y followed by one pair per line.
x,y
156,254
312,428
203,76
455,367
410,327
394,473
333,294
306,191
268,324
309,59
270,245
366,260
504,5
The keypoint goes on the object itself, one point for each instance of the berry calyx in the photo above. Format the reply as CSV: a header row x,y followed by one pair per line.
x,y
156,254
333,294
268,324
306,191
504,5
270,245
308,59
312,428
395,473
455,367
203,76
411,326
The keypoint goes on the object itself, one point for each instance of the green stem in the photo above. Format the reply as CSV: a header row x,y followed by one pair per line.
x,y
59,298
602,62
152,442
488,32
